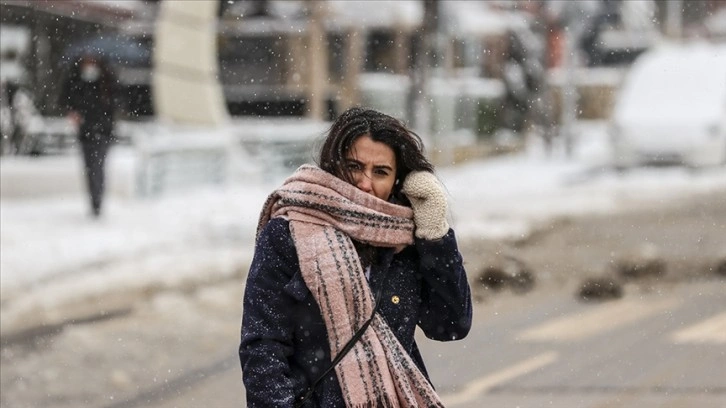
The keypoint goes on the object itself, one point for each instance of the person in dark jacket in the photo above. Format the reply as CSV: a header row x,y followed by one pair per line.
x,y
357,248
89,94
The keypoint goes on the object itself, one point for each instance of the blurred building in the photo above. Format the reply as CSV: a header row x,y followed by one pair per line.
x,y
293,57
59,29
263,46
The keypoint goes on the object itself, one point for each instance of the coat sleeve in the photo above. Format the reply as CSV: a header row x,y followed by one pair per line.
x,y
267,329
446,310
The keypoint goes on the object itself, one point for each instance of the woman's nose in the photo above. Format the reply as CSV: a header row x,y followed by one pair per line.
x,y
364,183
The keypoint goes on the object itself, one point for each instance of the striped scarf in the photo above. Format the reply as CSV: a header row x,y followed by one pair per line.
x,y
325,213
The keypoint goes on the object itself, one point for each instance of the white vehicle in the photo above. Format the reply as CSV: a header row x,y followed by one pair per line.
x,y
672,108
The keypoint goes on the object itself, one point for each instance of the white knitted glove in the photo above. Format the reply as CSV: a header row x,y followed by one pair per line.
x,y
429,204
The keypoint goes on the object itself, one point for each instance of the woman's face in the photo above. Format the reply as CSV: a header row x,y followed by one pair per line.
x,y
373,166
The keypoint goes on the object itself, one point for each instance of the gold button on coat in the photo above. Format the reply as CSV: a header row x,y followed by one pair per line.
x,y
395,299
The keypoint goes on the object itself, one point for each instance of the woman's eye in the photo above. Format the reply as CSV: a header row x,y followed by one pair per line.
x,y
353,166
381,172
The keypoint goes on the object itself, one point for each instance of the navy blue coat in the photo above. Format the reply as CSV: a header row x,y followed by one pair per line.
x,y
95,101
284,346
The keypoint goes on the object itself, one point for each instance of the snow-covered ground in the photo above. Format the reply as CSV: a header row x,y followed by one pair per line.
x,y
54,254
508,197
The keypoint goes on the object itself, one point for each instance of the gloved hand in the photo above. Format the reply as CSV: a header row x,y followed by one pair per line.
x,y
429,204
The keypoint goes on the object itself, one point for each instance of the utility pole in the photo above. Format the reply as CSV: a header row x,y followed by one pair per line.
x,y
317,62
574,27
355,52
569,91
419,103
674,18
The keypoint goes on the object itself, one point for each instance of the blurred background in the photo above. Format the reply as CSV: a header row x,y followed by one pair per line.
x,y
583,145
485,71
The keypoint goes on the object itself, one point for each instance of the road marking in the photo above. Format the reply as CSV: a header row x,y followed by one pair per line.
x,y
605,317
711,331
477,387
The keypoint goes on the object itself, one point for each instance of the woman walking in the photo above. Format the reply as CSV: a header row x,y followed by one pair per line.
x,y
89,94
352,255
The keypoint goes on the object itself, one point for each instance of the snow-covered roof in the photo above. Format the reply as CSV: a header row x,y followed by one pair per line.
x,y
401,13
462,18
467,18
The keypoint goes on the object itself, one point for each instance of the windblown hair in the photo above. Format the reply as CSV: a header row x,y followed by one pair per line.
x,y
355,122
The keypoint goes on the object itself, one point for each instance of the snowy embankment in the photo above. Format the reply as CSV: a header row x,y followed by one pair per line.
x,y
58,264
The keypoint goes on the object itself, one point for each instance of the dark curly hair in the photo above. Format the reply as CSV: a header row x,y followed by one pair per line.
x,y
355,122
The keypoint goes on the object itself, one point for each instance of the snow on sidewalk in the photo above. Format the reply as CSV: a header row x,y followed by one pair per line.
x,y
57,263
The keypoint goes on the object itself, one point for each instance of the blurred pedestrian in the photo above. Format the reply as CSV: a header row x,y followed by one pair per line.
x,y
89,94
351,255
20,117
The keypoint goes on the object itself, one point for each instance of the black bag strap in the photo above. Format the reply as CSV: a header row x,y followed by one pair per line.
x,y
348,346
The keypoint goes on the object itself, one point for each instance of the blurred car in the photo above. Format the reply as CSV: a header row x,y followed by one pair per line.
x,y
672,108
